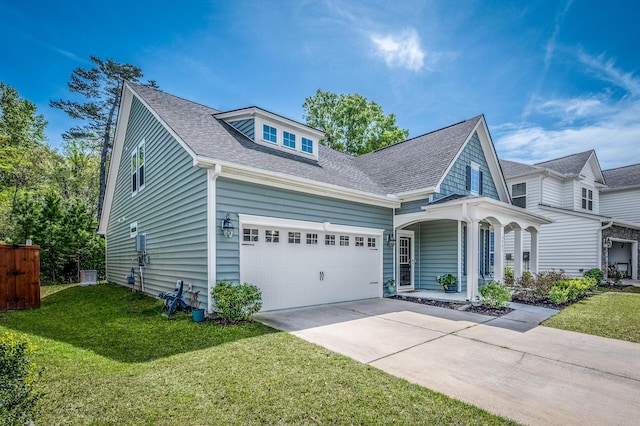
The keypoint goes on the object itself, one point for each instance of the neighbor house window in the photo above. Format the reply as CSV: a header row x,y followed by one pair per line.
x,y
294,238
269,133
272,236
359,241
519,194
289,140
329,240
371,242
250,235
137,168
344,240
312,238
307,145
587,199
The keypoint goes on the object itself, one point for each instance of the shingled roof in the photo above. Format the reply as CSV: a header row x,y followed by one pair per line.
x,y
420,162
622,176
569,165
513,168
410,165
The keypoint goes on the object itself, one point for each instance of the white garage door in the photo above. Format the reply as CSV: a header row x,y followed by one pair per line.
x,y
295,266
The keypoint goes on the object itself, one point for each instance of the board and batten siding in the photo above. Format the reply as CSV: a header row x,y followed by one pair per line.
x,y
235,197
171,210
622,204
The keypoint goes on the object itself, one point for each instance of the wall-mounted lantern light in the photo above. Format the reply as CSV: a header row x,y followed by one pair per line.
x,y
227,227
391,240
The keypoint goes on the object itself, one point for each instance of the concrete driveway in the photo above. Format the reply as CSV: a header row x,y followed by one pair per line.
x,y
508,366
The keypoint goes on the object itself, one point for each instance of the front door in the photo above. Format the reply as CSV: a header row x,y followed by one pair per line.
x,y
405,261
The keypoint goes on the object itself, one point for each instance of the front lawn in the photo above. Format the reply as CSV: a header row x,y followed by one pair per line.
x,y
608,315
109,357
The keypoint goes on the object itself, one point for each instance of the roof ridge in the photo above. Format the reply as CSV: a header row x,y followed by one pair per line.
x,y
131,83
566,156
621,167
424,134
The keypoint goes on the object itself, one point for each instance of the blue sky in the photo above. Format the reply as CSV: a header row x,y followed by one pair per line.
x,y
552,77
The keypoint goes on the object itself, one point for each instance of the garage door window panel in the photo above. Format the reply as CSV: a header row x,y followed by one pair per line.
x,y
344,240
271,236
329,240
294,238
250,235
312,239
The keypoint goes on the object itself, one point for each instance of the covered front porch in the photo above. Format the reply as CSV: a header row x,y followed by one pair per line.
x,y
464,238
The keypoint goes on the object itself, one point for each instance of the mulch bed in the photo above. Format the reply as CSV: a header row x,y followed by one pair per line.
x,y
460,306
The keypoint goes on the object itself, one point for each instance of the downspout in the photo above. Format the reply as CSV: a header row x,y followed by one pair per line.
x,y
393,253
212,177
465,216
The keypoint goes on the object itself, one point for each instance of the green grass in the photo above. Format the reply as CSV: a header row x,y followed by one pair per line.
x,y
110,357
608,315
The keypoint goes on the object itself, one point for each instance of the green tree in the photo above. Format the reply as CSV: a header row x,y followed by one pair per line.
x,y
351,123
101,85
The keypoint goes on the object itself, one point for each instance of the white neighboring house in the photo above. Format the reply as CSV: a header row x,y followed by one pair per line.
x,y
594,226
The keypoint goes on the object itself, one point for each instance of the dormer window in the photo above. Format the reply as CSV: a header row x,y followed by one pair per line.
x,y
307,145
289,140
587,199
270,134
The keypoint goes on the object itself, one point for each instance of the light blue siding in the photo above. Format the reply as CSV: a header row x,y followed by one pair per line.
x,y
246,127
455,181
235,197
171,210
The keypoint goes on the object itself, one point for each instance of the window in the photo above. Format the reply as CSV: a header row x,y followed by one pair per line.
x,y
289,140
307,145
587,199
137,168
519,194
294,238
250,235
474,179
329,240
359,241
312,238
272,236
344,240
371,242
269,133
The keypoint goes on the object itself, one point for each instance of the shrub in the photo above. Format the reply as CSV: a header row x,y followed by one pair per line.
x,y
495,295
508,276
19,393
559,295
595,273
568,290
236,302
539,287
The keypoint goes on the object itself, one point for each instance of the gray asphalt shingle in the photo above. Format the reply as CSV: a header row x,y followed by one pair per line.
x,y
622,176
513,168
569,165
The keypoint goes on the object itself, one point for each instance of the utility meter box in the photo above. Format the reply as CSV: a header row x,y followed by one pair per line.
x,y
141,243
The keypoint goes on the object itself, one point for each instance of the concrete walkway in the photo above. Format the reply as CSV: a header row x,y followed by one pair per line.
x,y
509,366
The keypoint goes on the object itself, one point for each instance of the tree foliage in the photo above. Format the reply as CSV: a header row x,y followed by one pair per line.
x,y
351,123
101,86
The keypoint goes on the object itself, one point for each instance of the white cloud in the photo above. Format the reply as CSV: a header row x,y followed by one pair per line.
x,y
401,50
611,125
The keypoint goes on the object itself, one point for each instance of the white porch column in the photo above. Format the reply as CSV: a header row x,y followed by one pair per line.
x,y
498,253
533,255
517,253
472,259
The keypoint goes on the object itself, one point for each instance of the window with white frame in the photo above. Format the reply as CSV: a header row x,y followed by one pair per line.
x,y
138,168
250,235
475,178
294,238
307,145
312,238
344,240
371,242
269,133
519,194
271,236
587,199
329,240
359,241
289,140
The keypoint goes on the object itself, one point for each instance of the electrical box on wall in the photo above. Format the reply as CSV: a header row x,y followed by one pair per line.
x,y
141,243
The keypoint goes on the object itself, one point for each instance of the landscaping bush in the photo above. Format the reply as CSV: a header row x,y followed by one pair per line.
x,y
508,276
595,273
19,393
539,287
495,295
236,302
568,290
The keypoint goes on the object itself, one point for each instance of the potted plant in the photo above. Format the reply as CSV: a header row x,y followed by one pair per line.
x,y
448,282
196,313
390,286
